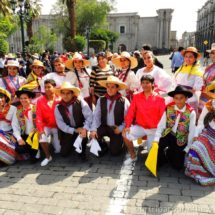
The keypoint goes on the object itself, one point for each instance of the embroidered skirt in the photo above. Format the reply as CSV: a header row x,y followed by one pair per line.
x,y
200,164
7,148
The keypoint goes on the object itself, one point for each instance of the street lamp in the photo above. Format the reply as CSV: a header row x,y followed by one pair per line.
x,y
23,11
88,37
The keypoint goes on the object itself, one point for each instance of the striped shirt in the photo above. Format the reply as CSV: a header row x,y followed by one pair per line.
x,y
99,74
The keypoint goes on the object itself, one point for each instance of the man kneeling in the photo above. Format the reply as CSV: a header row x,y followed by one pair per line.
x,y
108,118
73,117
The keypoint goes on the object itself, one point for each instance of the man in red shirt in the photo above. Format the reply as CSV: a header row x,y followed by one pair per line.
x,y
144,113
45,120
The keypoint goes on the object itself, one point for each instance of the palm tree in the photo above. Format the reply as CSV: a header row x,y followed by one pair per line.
x,y
70,4
4,7
34,8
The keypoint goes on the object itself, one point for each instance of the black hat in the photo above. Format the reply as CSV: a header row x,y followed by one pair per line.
x,y
30,93
181,90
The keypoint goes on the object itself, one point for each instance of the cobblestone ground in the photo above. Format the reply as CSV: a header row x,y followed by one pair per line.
x,y
100,186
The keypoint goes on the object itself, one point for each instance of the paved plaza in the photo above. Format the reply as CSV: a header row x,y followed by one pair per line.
x,y
100,186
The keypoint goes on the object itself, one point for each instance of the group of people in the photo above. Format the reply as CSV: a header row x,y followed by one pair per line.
x,y
110,99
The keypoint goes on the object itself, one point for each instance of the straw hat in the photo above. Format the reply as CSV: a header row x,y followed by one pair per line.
x,y
113,80
14,63
212,48
6,93
191,49
37,63
109,54
67,86
133,60
76,56
211,90
35,56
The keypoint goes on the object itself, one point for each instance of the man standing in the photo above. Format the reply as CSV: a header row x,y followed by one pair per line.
x,y
73,117
108,118
145,111
177,59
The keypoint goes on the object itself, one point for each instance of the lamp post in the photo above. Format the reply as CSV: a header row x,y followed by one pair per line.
x,y
23,10
88,37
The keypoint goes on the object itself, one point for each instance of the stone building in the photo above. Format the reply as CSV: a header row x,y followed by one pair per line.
x,y
15,42
173,40
205,32
188,39
135,30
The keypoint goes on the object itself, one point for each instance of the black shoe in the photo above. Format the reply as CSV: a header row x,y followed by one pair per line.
x,y
103,152
34,160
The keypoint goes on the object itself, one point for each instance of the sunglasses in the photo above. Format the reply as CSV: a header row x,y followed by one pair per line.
x,y
212,53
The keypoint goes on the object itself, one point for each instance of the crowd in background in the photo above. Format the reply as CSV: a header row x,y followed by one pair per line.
x,y
70,100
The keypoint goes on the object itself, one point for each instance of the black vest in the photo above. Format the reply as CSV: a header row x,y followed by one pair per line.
x,y
77,114
118,111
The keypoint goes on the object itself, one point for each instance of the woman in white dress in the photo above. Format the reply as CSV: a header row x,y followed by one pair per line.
x,y
190,76
163,81
125,63
79,75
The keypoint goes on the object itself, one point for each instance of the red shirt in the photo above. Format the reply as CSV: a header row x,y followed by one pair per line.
x,y
45,114
145,112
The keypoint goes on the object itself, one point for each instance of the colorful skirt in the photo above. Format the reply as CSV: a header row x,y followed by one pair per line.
x,y
7,148
200,163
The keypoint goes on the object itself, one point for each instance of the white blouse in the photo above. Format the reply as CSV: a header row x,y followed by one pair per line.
x,y
11,116
84,78
163,81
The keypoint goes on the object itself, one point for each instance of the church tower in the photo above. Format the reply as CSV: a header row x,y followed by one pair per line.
x,y
163,28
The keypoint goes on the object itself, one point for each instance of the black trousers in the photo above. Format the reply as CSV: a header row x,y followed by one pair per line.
x,y
170,152
26,149
116,140
67,141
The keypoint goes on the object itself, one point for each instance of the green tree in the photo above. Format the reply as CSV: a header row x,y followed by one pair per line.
x,y
4,8
4,46
103,34
43,39
6,28
34,11
71,8
92,13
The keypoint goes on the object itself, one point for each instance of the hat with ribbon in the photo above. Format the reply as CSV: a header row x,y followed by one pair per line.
x,y
191,49
113,80
67,86
117,60
70,63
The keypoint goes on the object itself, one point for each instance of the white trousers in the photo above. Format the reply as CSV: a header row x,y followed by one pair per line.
x,y
51,133
137,131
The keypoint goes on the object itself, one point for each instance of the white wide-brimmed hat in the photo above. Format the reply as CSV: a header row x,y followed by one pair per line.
x,y
14,63
133,60
113,80
67,86
76,56
212,48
